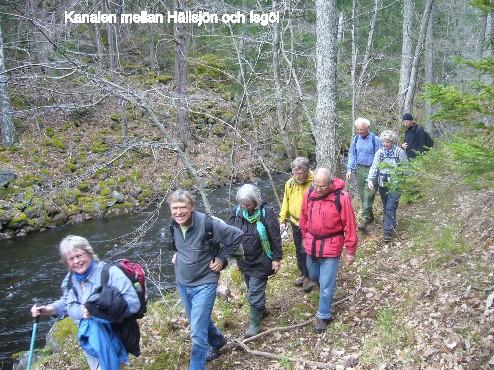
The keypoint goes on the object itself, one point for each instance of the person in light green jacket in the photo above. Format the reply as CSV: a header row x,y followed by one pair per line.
x,y
295,189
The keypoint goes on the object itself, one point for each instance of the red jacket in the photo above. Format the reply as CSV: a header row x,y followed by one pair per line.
x,y
325,230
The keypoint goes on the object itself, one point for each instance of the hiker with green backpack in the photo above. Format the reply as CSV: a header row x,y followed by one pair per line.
x,y
101,344
197,270
262,249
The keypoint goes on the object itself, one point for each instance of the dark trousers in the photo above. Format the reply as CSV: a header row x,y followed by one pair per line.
x,y
390,201
299,250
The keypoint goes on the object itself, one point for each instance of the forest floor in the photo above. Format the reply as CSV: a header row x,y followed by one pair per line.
x,y
418,302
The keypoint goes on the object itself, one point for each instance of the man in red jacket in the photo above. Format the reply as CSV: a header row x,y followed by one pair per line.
x,y
327,223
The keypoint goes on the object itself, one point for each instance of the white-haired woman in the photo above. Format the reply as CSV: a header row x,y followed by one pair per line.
x,y
262,249
85,277
390,155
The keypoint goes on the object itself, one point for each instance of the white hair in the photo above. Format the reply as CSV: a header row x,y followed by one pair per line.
x,y
363,121
72,242
300,163
249,193
389,135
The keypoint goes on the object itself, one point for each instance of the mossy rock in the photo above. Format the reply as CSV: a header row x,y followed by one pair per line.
x,y
28,180
63,330
17,220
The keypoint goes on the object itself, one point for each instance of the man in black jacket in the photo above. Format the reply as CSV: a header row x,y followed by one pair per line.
x,y
417,140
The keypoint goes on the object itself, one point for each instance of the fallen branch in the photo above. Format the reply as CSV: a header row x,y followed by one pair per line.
x,y
320,365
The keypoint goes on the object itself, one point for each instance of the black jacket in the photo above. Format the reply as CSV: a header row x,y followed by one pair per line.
x,y
416,138
256,263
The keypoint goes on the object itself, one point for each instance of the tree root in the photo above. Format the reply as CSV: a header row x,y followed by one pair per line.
x,y
242,343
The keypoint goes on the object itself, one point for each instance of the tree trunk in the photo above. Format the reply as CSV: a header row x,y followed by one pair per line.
x,y
326,122
280,111
110,31
7,130
416,58
428,69
353,72
181,77
481,38
406,53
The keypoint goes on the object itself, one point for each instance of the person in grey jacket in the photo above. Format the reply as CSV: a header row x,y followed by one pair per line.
x,y
197,272
85,272
390,155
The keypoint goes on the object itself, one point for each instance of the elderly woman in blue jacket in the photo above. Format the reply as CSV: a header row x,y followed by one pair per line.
x,y
85,275
387,157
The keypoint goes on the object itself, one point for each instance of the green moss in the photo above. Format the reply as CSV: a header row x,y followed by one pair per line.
x,y
105,191
64,329
187,183
49,132
70,167
164,79
115,117
84,186
55,142
28,180
99,147
18,220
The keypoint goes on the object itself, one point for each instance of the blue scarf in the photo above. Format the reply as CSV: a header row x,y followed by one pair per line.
x,y
83,277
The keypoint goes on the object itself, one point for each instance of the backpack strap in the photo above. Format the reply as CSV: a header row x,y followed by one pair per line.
x,y
337,201
105,274
173,247
208,227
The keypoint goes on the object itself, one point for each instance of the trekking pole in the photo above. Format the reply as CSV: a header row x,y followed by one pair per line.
x,y
31,346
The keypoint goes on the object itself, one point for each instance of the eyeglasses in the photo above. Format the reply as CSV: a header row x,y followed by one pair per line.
x,y
320,187
77,257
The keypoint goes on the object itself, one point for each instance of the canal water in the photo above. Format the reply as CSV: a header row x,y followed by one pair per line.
x,y
31,271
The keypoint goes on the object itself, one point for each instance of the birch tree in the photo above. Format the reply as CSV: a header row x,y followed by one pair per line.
x,y
280,111
357,83
410,91
406,53
181,76
428,69
7,131
326,122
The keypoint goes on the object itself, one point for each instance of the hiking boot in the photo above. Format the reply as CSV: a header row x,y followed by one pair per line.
x,y
388,238
321,325
362,226
299,282
308,285
256,316
214,352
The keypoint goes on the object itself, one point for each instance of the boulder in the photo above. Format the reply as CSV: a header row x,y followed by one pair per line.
x,y
6,176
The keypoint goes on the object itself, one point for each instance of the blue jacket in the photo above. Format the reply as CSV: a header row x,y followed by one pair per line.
x,y
70,304
363,150
97,339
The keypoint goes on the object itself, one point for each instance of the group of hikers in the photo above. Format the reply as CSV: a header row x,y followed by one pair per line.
x,y
315,206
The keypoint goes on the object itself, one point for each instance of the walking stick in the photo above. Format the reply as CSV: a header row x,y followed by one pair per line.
x,y
33,339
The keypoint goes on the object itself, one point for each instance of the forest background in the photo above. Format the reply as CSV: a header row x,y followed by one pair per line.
x,y
101,119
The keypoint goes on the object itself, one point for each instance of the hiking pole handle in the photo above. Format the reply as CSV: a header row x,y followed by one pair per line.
x,y
33,339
